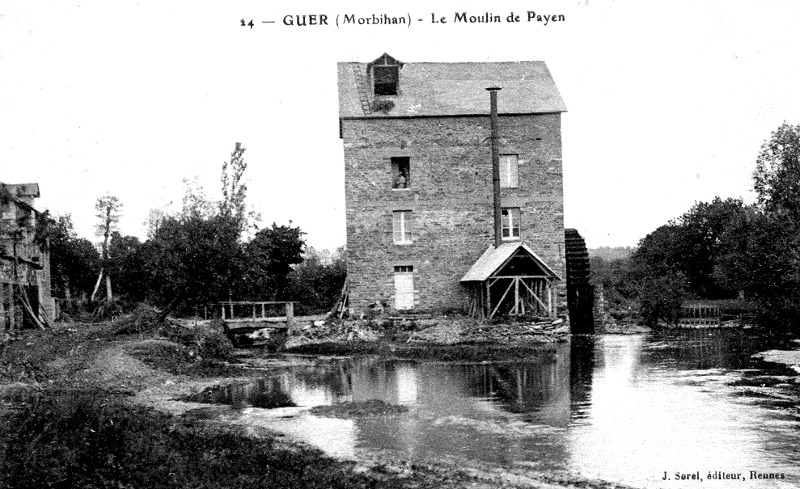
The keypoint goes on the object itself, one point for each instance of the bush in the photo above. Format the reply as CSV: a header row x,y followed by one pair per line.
x,y
143,319
213,344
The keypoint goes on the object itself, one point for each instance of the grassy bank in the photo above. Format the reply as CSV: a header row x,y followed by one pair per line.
x,y
67,420
67,439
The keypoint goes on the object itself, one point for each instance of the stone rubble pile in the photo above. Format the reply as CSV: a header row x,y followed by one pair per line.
x,y
443,331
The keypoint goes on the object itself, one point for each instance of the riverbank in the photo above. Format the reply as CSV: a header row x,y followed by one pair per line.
x,y
82,405
790,358
445,338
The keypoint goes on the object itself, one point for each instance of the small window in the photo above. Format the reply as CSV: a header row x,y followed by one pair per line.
x,y
404,269
401,173
401,227
510,218
509,171
386,78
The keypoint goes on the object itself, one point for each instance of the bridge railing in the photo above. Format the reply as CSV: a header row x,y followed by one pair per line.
x,y
249,311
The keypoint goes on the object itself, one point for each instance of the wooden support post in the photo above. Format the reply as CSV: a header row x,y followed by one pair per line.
x,y
515,311
12,307
2,306
290,324
254,312
550,311
223,311
263,314
488,299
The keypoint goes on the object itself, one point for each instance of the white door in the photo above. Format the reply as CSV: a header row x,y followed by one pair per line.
x,y
403,290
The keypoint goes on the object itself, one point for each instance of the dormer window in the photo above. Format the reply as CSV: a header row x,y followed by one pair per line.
x,y
386,78
385,72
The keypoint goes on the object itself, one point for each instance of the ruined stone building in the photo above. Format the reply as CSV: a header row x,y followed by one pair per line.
x,y
419,189
24,260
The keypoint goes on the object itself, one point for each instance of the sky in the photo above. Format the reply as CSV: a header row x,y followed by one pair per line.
x,y
668,101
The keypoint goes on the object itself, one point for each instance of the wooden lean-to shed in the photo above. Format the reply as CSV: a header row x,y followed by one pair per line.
x,y
511,279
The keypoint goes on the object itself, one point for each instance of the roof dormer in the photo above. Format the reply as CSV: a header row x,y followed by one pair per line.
x,y
385,74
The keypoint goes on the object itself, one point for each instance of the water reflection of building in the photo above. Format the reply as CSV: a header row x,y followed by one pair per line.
x,y
464,410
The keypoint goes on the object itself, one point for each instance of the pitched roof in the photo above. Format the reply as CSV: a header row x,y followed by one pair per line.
x,y
21,193
22,189
436,89
494,258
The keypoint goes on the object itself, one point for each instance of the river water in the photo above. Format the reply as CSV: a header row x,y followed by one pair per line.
x,y
628,409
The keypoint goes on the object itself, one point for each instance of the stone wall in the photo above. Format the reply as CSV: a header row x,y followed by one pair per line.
x,y
450,197
21,221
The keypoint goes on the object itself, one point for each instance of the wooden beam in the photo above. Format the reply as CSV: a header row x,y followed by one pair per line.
x,y
535,296
488,299
521,276
289,312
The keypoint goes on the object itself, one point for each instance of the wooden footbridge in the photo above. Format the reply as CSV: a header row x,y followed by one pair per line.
x,y
244,312
252,322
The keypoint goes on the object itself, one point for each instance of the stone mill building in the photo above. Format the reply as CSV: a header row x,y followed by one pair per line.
x,y
25,297
419,187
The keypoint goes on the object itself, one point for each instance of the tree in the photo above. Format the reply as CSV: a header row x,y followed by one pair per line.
x,y
108,208
694,246
192,260
614,276
74,262
126,264
704,227
197,256
777,174
270,255
234,191
195,202
656,271
775,239
317,282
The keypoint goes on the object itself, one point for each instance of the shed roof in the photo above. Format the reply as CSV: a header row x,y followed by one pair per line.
x,y
494,258
446,89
